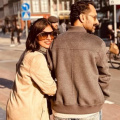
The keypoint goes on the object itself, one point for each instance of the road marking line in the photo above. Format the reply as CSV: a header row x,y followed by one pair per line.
x,y
4,61
1,86
109,102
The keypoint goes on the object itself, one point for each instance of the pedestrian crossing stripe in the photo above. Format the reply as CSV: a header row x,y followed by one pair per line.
x,y
25,15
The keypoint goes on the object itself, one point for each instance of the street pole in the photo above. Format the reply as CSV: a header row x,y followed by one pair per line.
x,y
58,8
19,22
73,1
51,3
63,3
26,29
115,25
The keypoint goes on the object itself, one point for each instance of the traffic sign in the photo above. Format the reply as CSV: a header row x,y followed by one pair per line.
x,y
114,2
25,15
25,6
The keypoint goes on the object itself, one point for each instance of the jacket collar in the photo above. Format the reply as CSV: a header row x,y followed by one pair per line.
x,y
76,29
42,50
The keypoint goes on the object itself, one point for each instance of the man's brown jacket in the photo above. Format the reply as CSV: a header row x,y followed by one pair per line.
x,y
79,63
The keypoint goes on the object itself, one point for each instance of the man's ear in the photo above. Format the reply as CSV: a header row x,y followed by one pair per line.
x,y
82,18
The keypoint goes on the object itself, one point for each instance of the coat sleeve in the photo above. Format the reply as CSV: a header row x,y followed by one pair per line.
x,y
103,69
41,75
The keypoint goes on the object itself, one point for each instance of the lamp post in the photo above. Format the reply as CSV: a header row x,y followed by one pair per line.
x,y
115,25
58,8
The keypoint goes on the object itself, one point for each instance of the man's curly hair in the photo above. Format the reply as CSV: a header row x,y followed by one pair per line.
x,y
78,8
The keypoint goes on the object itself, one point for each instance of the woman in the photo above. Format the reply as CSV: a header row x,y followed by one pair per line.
x,y
33,80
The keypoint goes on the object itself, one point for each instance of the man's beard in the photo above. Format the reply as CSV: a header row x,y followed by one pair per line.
x,y
91,31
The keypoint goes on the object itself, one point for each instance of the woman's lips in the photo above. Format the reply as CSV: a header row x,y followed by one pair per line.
x,y
48,43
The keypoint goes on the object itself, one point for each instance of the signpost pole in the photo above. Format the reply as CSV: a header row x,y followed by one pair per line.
x,y
19,21
25,15
26,29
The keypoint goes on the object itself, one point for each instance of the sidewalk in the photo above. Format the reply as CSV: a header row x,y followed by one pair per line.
x,y
6,42
2,114
6,81
110,110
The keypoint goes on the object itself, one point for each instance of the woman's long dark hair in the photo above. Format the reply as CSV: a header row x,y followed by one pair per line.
x,y
37,27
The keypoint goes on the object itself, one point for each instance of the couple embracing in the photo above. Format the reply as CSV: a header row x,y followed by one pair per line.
x,y
79,76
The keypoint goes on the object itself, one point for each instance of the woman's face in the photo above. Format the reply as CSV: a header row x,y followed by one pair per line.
x,y
46,37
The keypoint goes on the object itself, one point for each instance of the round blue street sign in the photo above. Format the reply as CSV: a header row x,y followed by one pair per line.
x,y
25,6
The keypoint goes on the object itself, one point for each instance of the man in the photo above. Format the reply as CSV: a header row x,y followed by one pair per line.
x,y
78,62
54,23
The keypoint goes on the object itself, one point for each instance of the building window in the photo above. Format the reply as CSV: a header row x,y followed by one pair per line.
x,y
35,6
65,4
44,5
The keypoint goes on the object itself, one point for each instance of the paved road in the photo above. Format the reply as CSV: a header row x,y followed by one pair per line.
x,y
2,114
10,55
8,58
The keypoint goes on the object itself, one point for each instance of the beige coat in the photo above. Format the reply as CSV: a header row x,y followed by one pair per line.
x,y
27,100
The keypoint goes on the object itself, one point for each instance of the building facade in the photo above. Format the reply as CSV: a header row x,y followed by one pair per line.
x,y
10,10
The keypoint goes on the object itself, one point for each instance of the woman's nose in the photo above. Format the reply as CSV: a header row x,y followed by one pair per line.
x,y
49,37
